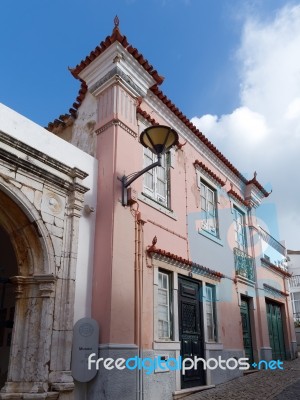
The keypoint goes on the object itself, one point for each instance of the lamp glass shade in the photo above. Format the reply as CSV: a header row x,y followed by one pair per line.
x,y
159,139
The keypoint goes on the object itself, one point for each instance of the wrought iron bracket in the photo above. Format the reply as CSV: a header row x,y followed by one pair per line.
x,y
127,180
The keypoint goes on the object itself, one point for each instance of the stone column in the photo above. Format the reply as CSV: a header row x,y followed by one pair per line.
x,y
31,341
60,377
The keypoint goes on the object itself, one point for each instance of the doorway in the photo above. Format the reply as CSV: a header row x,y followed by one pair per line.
x,y
275,326
190,329
246,327
8,268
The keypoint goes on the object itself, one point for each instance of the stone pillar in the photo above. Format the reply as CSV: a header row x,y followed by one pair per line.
x,y
60,377
30,350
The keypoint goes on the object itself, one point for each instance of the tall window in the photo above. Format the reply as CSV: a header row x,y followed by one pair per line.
x,y
208,208
164,314
240,231
211,314
156,181
296,304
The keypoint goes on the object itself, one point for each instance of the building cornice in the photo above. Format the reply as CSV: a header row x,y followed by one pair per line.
x,y
41,165
275,268
275,292
208,171
183,263
117,36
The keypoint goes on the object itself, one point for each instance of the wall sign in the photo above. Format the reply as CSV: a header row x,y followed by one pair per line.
x,y
85,342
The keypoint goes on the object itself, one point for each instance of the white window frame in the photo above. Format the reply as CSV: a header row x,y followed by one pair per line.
x,y
164,288
296,303
208,205
156,178
240,229
210,313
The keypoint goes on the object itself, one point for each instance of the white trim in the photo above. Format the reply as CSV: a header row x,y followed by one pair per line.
x,y
166,345
213,346
154,204
104,346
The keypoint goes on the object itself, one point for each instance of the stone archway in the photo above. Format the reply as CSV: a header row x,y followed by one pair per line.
x,y
41,201
28,252
8,269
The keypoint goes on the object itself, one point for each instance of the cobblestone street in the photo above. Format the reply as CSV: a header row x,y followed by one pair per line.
x,y
278,385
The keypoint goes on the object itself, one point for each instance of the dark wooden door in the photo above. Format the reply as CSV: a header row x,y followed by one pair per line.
x,y
276,330
190,330
246,327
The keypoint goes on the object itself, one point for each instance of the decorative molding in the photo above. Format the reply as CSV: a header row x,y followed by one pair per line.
x,y
116,122
183,263
34,161
237,197
275,268
120,76
209,172
275,292
46,284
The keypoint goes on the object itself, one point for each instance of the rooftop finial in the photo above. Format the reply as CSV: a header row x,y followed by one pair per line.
x,y
116,21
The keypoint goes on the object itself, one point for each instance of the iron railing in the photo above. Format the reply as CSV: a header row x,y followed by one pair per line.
x,y
272,241
244,264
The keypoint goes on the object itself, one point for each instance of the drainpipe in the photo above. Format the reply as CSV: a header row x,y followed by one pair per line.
x,y
140,224
136,299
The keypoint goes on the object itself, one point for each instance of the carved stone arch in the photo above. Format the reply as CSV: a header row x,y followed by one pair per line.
x,y
35,286
28,233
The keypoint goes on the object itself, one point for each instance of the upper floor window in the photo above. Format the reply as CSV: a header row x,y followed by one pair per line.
x,y
211,314
296,304
164,310
208,208
239,229
156,181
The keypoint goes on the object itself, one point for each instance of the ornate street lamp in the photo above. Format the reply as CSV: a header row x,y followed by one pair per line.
x,y
159,139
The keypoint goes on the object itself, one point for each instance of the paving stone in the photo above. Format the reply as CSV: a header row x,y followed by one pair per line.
x,y
264,385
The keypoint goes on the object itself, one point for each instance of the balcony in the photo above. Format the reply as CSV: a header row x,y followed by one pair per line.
x,y
272,241
295,281
244,264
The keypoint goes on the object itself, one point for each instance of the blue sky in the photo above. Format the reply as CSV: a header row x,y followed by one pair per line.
x,y
233,65
190,42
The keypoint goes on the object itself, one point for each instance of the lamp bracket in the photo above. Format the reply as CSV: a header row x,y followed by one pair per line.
x,y
127,180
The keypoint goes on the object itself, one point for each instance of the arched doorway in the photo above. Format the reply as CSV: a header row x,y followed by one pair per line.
x,y
8,268
27,290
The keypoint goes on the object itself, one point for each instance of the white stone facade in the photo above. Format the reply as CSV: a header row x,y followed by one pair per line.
x,y
41,202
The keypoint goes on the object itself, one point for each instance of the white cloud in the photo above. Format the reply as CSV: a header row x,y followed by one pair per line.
x,y
263,134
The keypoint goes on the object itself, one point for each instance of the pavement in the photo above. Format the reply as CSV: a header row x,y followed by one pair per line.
x,y
264,385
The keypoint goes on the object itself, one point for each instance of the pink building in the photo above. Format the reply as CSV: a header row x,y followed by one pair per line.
x,y
183,270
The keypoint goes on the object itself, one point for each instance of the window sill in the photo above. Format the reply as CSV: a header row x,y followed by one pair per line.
x,y
213,346
159,207
247,281
166,345
210,236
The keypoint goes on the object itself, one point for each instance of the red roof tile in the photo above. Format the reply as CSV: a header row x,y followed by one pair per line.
x,y
235,195
62,120
209,172
116,36
258,185
184,261
146,116
203,139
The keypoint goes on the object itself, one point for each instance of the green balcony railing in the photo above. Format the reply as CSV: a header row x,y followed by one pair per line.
x,y
244,264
